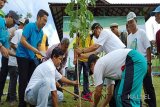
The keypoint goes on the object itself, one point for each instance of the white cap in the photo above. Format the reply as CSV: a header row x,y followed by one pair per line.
x,y
22,20
114,24
130,16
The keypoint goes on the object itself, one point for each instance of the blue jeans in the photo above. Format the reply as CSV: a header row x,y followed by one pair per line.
x,y
85,67
40,94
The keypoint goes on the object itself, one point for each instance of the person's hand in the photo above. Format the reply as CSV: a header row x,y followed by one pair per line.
x,y
75,83
4,52
36,51
78,50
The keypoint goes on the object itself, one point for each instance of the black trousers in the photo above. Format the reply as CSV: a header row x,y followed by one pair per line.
x,y
149,91
3,74
25,70
13,73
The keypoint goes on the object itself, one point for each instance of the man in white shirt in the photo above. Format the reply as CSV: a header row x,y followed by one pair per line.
x,y
138,40
125,65
41,89
106,40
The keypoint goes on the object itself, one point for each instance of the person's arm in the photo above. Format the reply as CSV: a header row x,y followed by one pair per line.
x,y
89,49
97,95
110,90
149,59
54,98
28,46
67,81
13,46
86,55
4,51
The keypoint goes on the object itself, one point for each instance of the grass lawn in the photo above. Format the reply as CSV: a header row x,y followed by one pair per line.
x,y
69,102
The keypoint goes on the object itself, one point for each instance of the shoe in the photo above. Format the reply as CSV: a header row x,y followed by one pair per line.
x,y
87,97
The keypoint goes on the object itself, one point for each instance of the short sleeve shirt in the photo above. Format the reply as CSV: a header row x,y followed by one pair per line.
x,y
45,71
33,37
109,41
4,34
138,41
109,66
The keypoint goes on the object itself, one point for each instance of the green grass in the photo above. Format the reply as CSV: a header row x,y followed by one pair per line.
x,y
71,103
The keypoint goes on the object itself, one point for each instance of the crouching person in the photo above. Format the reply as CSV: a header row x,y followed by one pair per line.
x,y
41,90
125,65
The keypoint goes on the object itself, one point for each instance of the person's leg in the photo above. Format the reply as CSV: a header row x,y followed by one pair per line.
x,y
39,94
85,78
60,98
32,67
13,71
149,91
112,102
75,75
23,68
129,92
3,74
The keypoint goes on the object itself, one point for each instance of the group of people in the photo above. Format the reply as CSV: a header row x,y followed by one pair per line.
x,y
126,68
126,65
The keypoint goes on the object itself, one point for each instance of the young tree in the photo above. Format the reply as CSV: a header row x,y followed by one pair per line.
x,y
80,17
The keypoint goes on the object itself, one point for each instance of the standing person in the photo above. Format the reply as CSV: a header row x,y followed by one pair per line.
x,y
63,45
126,65
12,63
138,40
43,47
26,50
121,35
106,41
2,3
41,90
10,20
156,13
82,63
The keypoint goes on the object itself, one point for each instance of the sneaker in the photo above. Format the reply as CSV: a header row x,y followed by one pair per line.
x,y
88,97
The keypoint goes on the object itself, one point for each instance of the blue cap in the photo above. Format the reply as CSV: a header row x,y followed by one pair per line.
x,y
157,10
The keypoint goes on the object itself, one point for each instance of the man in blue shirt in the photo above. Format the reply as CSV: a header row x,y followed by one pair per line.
x,y
10,20
26,50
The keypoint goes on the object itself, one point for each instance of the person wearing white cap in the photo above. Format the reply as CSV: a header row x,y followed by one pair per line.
x,y
156,13
9,21
12,63
138,40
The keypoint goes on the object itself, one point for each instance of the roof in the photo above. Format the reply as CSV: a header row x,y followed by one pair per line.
x,y
133,1
102,8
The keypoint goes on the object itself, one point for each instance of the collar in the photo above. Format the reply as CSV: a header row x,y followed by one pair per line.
x,y
36,27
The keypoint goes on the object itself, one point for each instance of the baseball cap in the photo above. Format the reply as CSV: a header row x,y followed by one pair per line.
x,y
14,15
22,20
113,25
130,16
157,10
95,25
